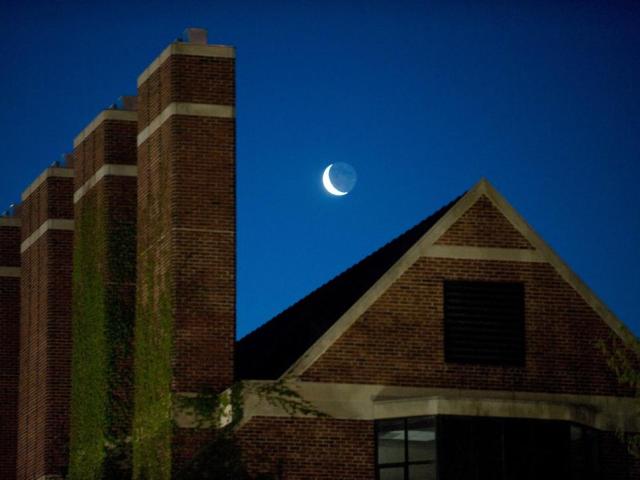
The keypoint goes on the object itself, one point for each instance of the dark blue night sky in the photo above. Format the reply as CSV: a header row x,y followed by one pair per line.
x,y
422,98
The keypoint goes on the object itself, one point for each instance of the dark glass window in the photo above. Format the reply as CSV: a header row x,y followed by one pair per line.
x,y
475,448
485,448
484,323
406,449
583,453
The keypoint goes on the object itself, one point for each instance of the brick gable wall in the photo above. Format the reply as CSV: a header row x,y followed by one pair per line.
x,y
399,340
483,226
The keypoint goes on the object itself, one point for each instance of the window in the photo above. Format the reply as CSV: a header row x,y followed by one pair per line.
x,y
484,323
486,448
447,447
406,449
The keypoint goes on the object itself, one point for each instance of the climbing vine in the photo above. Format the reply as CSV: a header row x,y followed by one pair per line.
x,y
153,417
623,357
221,457
102,320
155,405
153,337
89,355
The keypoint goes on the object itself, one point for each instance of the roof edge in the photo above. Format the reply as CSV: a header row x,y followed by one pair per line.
x,y
482,187
384,282
559,265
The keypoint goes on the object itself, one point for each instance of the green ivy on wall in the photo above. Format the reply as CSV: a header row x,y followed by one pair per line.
x,y
153,339
155,405
623,357
153,402
102,323
89,353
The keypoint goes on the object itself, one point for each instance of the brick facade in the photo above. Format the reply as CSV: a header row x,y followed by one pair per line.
x,y
561,332
186,214
10,335
105,212
484,226
45,328
320,448
306,448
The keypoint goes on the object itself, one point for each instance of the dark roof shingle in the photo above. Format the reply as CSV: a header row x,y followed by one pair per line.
x,y
268,351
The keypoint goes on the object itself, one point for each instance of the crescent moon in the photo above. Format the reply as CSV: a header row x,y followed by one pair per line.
x,y
326,181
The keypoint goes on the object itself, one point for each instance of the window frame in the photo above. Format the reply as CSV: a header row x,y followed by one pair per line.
x,y
406,464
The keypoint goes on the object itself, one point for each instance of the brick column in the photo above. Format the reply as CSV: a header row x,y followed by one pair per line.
x,y
45,325
103,293
185,325
10,338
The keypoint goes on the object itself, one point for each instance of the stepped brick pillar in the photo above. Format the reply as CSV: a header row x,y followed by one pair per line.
x,y
45,325
185,325
103,293
9,343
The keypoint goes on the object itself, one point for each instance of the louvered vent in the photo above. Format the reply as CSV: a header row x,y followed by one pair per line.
x,y
484,322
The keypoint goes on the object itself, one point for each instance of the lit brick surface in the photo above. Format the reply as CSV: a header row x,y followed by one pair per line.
x,y
483,226
186,221
399,340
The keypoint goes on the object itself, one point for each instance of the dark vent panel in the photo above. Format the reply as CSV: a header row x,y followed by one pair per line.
x,y
484,322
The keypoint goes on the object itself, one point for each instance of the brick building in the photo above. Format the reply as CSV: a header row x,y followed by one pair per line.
x,y
462,349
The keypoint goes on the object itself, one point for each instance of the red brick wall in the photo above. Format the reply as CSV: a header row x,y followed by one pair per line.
x,y
113,142
399,340
338,449
309,448
50,200
113,203
9,245
45,334
186,78
10,338
186,219
483,226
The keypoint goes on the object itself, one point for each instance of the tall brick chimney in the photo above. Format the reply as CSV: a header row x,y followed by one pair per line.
x,y
10,338
45,325
103,290
185,325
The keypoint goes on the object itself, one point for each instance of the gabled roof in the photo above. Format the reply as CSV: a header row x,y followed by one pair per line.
x,y
292,341
269,351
